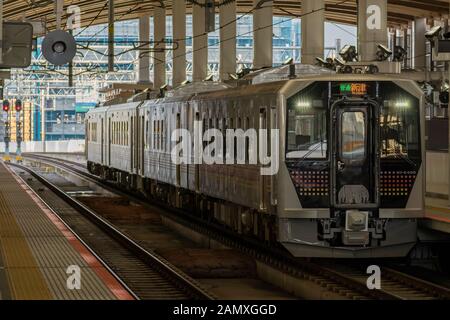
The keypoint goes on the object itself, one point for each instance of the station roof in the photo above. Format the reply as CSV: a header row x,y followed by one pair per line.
x,y
400,12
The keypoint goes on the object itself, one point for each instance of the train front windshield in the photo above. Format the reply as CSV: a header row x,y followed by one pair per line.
x,y
367,135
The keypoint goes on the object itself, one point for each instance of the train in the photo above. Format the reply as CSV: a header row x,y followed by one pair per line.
x,y
349,178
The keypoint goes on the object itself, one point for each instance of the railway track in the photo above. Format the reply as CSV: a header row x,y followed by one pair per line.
x,y
145,274
399,285
343,279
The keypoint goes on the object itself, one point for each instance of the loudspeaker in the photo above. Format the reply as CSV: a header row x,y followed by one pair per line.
x,y
59,47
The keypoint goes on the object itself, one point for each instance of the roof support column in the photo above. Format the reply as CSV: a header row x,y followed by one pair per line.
x,y
199,43
179,36
420,28
111,20
313,25
262,34
144,49
227,40
372,28
159,56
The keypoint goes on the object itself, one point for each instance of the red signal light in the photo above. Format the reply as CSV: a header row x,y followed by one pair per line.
x,y
6,105
18,105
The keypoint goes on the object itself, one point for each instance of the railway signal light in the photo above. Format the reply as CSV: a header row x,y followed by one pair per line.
x,y
18,105
6,105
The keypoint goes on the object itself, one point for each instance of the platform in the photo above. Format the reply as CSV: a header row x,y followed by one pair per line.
x,y
437,213
36,250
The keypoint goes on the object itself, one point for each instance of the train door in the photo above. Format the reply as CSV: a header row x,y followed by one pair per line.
x,y
197,166
132,140
355,157
178,167
140,147
109,141
102,137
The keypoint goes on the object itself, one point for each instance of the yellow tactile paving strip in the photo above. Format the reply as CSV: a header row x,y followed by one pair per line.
x,y
26,281
36,254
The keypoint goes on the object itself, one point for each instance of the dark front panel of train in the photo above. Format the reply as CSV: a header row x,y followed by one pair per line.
x,y
375,144
400,145
307,146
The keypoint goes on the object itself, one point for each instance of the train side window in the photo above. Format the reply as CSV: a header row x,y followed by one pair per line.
x,y
158,128
161,136
153,134
247,141
224,134
205,127
147,123
127,134
238,126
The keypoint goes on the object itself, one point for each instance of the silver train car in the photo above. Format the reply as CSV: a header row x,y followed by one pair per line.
x,y
350,181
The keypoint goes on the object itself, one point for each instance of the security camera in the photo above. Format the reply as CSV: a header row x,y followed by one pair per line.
x,y
288,61
348,53
338,62
399,53
371,69
328,63
383,52
433,32
322,62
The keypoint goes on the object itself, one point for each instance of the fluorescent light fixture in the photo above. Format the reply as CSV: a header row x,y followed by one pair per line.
x,y
304,104
401,104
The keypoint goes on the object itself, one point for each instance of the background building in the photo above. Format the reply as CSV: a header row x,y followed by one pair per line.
x,y
46,90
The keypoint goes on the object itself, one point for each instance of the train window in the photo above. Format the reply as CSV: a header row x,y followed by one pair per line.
x,y
115,132
147,123
162,147
306,131
158,135
205,127
353,136
399,132
126,133
247,141
224,134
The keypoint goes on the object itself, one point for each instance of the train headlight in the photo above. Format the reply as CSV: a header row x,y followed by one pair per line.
x,y
356,220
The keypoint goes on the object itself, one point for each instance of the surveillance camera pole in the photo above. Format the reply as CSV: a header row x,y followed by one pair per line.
x,y
19,137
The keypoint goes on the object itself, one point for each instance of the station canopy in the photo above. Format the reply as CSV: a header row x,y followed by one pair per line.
x,y
400,12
